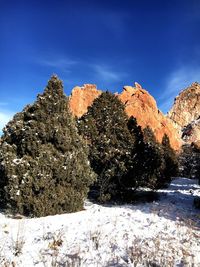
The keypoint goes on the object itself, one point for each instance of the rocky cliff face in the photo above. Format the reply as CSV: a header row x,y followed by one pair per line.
x,y
191,133
185,113
138,103
82,97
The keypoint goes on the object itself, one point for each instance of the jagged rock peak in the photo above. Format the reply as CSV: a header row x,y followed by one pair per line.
x,y
134,89
89,86
185,113
191,132
140,104
186,106
138,86
82,97
84,87
136,94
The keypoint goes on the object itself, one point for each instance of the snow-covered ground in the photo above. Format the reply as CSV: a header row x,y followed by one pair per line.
x,y
162,233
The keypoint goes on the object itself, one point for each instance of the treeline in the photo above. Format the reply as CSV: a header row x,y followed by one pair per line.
x,y
121,154
49,160
189,161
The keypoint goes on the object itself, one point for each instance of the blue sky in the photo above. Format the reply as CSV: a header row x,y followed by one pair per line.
x,y
110,43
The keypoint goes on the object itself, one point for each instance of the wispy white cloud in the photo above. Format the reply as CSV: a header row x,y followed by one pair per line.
x,y
107,74
60,63
177,81
2,104
5,117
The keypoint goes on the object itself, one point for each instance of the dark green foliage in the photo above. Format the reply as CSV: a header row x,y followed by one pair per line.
x,y
189,161
149,136
186,161
196,162
161,161
153,159
140,156
197,202
171,162
44,168
136,131
111,145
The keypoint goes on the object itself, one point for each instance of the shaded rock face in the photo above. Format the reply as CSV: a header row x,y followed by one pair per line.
x,y
185,113
82,97
191,133
138,103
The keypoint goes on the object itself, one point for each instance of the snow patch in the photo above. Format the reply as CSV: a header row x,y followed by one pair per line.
x,y
164,232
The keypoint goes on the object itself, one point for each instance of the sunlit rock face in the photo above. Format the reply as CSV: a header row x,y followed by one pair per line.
x,y
185,113
138,103
82,97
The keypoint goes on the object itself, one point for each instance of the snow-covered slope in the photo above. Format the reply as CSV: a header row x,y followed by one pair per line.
x,y
165,232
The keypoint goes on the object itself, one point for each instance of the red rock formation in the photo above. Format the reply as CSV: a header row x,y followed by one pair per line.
x,y
186,106
185,113
82,97
191,133
138,103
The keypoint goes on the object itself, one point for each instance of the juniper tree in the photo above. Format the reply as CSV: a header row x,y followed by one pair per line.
x,y
171,162
186,161
196,166
154,160
139,155
44,167
104,127
189,161
196,162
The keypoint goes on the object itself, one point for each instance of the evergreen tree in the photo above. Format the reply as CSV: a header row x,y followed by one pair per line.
x,y
186,161
196,157
154,160
171,162
44,168
139,156
189,161
149,136
196,166
105,129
